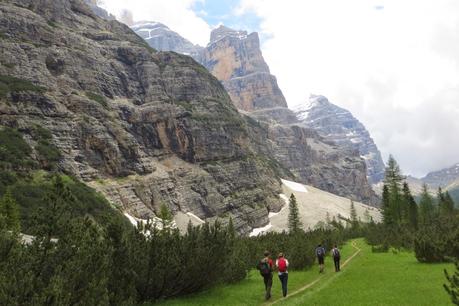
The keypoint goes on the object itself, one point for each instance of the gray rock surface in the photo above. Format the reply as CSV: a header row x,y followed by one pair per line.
x,y
340,126
162,38
145,128
442,178
235,58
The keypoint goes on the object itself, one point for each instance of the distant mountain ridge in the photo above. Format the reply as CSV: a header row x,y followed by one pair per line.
x,y
442,178
164,39
340,126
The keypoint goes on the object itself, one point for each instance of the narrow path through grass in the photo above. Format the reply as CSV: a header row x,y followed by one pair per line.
x,y
366,279
357,251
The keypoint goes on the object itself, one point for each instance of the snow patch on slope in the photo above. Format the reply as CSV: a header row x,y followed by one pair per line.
x,y
294,186
260,230
195,217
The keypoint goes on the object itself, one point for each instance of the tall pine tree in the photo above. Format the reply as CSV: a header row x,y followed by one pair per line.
x,y
411,208
294,222
387,213
393,180
10,211
426,207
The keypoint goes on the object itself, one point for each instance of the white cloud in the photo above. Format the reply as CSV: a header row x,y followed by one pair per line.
x,y
176,14
394,64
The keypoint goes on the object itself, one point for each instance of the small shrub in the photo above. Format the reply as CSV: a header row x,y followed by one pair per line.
x,y
10,84
98,98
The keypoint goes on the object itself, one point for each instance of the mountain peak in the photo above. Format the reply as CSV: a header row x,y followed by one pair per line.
x,y
223,31
340,126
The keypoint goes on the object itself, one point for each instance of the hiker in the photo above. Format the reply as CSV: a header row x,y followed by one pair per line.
x,y
266,268
336,257
320,253
282,266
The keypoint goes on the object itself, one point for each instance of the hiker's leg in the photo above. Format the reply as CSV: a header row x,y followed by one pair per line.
x,y
284,284
268,287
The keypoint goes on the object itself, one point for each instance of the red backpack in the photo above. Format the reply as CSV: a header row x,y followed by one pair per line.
x,y
282,264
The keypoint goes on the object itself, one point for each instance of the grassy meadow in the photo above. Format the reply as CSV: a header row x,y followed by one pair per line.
x,y
393,278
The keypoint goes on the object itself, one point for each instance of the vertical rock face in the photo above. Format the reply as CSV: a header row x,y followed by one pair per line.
x,y
340,126
162,38
234,57
145,128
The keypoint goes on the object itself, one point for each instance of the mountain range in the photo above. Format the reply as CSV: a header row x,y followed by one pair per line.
x,y
234,57
149,128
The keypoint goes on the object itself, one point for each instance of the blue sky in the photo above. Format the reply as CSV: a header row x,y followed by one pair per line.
x,y
225,12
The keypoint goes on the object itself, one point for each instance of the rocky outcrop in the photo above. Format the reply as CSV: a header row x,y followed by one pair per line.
x,y
162,38
234,57
340,126
304,155
145,128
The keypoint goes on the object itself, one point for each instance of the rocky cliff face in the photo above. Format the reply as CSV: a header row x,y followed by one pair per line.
x,y
340,126
143,127
234,57
162,38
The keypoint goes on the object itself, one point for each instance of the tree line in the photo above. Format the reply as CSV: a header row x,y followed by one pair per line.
x,y
430,227
74,260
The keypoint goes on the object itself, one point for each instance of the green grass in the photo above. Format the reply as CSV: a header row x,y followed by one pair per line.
x,y
380,279
251,290
368,279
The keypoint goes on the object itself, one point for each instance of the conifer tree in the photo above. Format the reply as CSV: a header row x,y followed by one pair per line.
x,y
410,206
294,222
166,217
388,218
426,207
445,204
393,180
353,213
10,211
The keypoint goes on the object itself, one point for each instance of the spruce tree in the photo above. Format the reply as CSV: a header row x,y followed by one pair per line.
x,y
10,211
388,218
393,180
166,217
294,222
410,206
426,207
445,204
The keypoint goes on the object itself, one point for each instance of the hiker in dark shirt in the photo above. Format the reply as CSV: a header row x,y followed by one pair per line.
x,y
320,253
265,266
336,257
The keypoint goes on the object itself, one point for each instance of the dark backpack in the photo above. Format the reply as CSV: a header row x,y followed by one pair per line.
x,y
336,253
320,252
264,267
